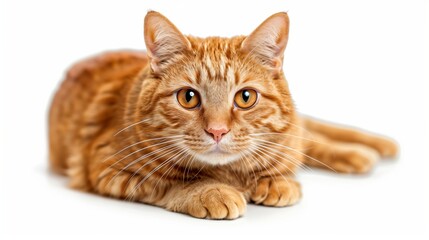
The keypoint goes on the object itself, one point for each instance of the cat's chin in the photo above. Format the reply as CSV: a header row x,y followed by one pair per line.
x,y
217,157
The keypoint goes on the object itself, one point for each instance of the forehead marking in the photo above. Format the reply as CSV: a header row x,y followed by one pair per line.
x,y
230,75
198,76
190,75
236,77
209,66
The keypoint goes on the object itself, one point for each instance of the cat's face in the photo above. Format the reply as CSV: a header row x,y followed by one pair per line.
x,y
218,93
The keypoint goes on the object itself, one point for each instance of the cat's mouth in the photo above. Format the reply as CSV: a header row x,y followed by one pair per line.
x,y
217,156
217,149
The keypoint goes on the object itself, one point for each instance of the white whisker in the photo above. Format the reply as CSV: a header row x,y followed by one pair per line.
x,y
168,150
249,166
141,149
183,155
130,126
284,134
284,155
146,140
272,156
294,150
151,173
253,151
275,168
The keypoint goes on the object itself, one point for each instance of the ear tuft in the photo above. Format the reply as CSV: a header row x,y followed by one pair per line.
x,y
163,40
268,41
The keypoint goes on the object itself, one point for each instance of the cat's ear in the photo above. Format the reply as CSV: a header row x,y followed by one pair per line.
x,y
163,40
268,41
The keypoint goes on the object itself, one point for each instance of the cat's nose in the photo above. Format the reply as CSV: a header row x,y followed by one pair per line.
x,y
217,132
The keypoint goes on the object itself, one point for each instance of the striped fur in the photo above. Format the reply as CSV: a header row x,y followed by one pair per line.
x,y
117,129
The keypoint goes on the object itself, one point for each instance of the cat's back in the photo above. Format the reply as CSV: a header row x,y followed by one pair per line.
x,y
88,98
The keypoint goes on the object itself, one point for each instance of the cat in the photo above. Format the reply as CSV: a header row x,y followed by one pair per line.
x,y
200,126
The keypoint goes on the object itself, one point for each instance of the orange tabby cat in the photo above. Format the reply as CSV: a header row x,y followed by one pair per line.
x,y
196,125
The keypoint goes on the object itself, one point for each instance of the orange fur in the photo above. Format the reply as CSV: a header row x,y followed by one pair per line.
x,y
117,129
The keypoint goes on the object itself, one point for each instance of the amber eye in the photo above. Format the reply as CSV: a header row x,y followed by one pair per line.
x,y
245,98
188,98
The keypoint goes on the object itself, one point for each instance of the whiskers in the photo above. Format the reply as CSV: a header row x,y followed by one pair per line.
x,y
148,175
132,125
158,153
285,135
140,142
163,145
168,153
162,152
270,146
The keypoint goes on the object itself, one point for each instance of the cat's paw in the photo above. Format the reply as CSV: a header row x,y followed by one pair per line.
x,y
355,159
217,202
386,147
278,192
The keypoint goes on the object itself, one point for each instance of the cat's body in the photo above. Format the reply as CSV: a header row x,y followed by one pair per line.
x,y
119,125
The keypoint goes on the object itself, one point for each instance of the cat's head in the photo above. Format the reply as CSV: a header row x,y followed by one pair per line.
x,y
216,94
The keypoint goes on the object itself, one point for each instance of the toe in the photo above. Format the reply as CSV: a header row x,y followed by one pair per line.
x,y
261,191
214,203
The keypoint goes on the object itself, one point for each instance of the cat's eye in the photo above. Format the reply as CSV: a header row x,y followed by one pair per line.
x,y
188,98
246,98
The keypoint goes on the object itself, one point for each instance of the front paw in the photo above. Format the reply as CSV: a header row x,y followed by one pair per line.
x,y
277,192
217,202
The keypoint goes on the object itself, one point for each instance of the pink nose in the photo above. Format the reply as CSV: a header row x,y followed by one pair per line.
x,y
217,134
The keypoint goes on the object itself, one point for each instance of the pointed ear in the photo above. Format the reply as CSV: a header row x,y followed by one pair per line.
x,y
268,42
163,40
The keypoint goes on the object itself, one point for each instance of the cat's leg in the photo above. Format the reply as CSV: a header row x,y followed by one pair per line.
x,y
384,146
277,191
206,199
343,157
201,199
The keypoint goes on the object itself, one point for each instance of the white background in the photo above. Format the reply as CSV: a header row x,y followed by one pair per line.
x,y
355,62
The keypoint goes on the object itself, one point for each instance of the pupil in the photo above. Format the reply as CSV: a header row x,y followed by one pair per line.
x,y
189,95
246,95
